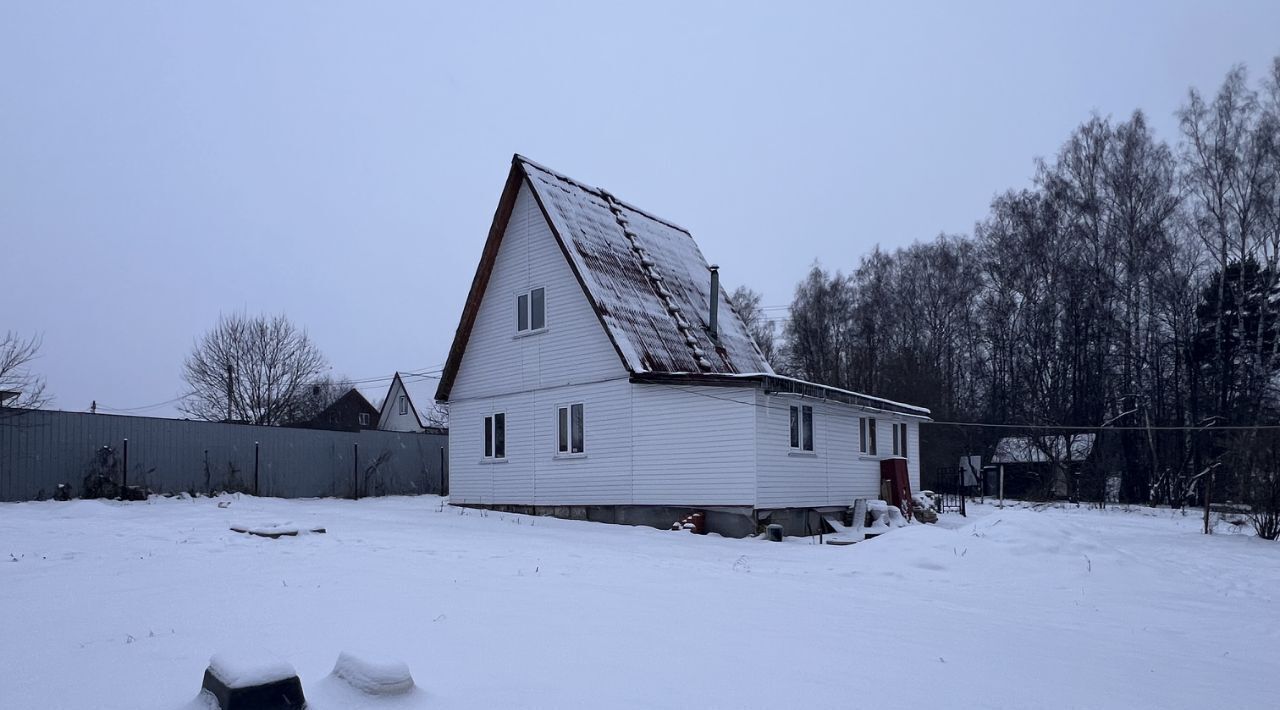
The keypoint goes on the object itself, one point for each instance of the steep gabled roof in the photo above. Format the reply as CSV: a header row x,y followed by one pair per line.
x,y
644,277
418,388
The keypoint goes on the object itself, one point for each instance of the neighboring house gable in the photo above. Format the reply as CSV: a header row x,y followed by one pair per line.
x,y
408,404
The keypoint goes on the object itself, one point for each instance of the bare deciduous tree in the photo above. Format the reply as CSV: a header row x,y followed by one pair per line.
x,y
318,396
16,355
746,303
437,415
258,370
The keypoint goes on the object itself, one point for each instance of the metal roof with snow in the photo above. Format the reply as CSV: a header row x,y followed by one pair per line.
x,y
644,277
1039,449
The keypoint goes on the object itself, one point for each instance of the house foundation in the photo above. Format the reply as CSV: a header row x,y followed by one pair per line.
x,y
735,521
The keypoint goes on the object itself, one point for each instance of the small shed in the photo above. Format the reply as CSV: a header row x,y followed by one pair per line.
x,y
1042,465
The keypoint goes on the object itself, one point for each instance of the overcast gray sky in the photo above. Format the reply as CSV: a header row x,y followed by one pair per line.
x,y
161,163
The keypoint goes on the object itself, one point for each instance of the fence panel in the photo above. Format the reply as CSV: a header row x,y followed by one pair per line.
x,y
41,449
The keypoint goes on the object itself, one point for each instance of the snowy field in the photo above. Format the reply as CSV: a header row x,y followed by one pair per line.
x,y
120,605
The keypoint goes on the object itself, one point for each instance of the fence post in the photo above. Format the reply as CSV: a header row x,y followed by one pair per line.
x,y
444,474
1208,496
124,472
256,490
355,471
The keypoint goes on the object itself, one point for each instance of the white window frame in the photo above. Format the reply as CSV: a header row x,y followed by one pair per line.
x,y
524,310
796,424
564,437
870,447
404,404
489,449
363,418
900,439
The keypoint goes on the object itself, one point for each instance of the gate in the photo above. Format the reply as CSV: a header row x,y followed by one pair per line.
x,y
948,490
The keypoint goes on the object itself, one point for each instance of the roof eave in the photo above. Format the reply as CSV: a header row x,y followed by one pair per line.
x,y
778,384
480,281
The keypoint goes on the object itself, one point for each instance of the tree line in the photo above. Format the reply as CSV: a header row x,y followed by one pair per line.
x,y
1133,284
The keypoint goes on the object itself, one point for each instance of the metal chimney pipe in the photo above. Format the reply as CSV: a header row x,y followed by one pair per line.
x,y
715,302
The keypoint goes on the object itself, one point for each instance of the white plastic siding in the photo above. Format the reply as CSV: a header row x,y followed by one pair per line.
x,y
533,473
572,349
693,445
913,455
391,419
836,472
661,445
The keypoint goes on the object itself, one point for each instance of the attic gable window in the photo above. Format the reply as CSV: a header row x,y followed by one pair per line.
x,y
801,427
531,310
364,419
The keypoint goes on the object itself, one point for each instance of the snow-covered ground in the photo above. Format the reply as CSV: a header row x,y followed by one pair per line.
x,y
120,605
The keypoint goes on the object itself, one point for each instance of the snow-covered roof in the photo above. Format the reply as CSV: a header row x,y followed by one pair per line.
x,y
1028,449
644,276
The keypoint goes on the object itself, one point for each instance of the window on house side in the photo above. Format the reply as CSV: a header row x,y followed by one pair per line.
x,y
802,427
531,310
500,435
900,443
871,437
404,404
495,436
364,419
570,436
862,434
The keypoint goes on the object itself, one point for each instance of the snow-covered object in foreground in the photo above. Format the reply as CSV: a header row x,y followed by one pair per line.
x,y
245,670
884,517
251,681
924,499
373,677
277,530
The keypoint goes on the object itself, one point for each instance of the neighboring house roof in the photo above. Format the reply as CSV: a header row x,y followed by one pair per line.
x,y
1027,449
419,390
352,396
644,277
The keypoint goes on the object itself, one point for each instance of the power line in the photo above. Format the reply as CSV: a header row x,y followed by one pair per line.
x,y
1047,427
432,372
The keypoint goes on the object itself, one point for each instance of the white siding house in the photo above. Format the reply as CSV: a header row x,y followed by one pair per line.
x,y
592,376
407,404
